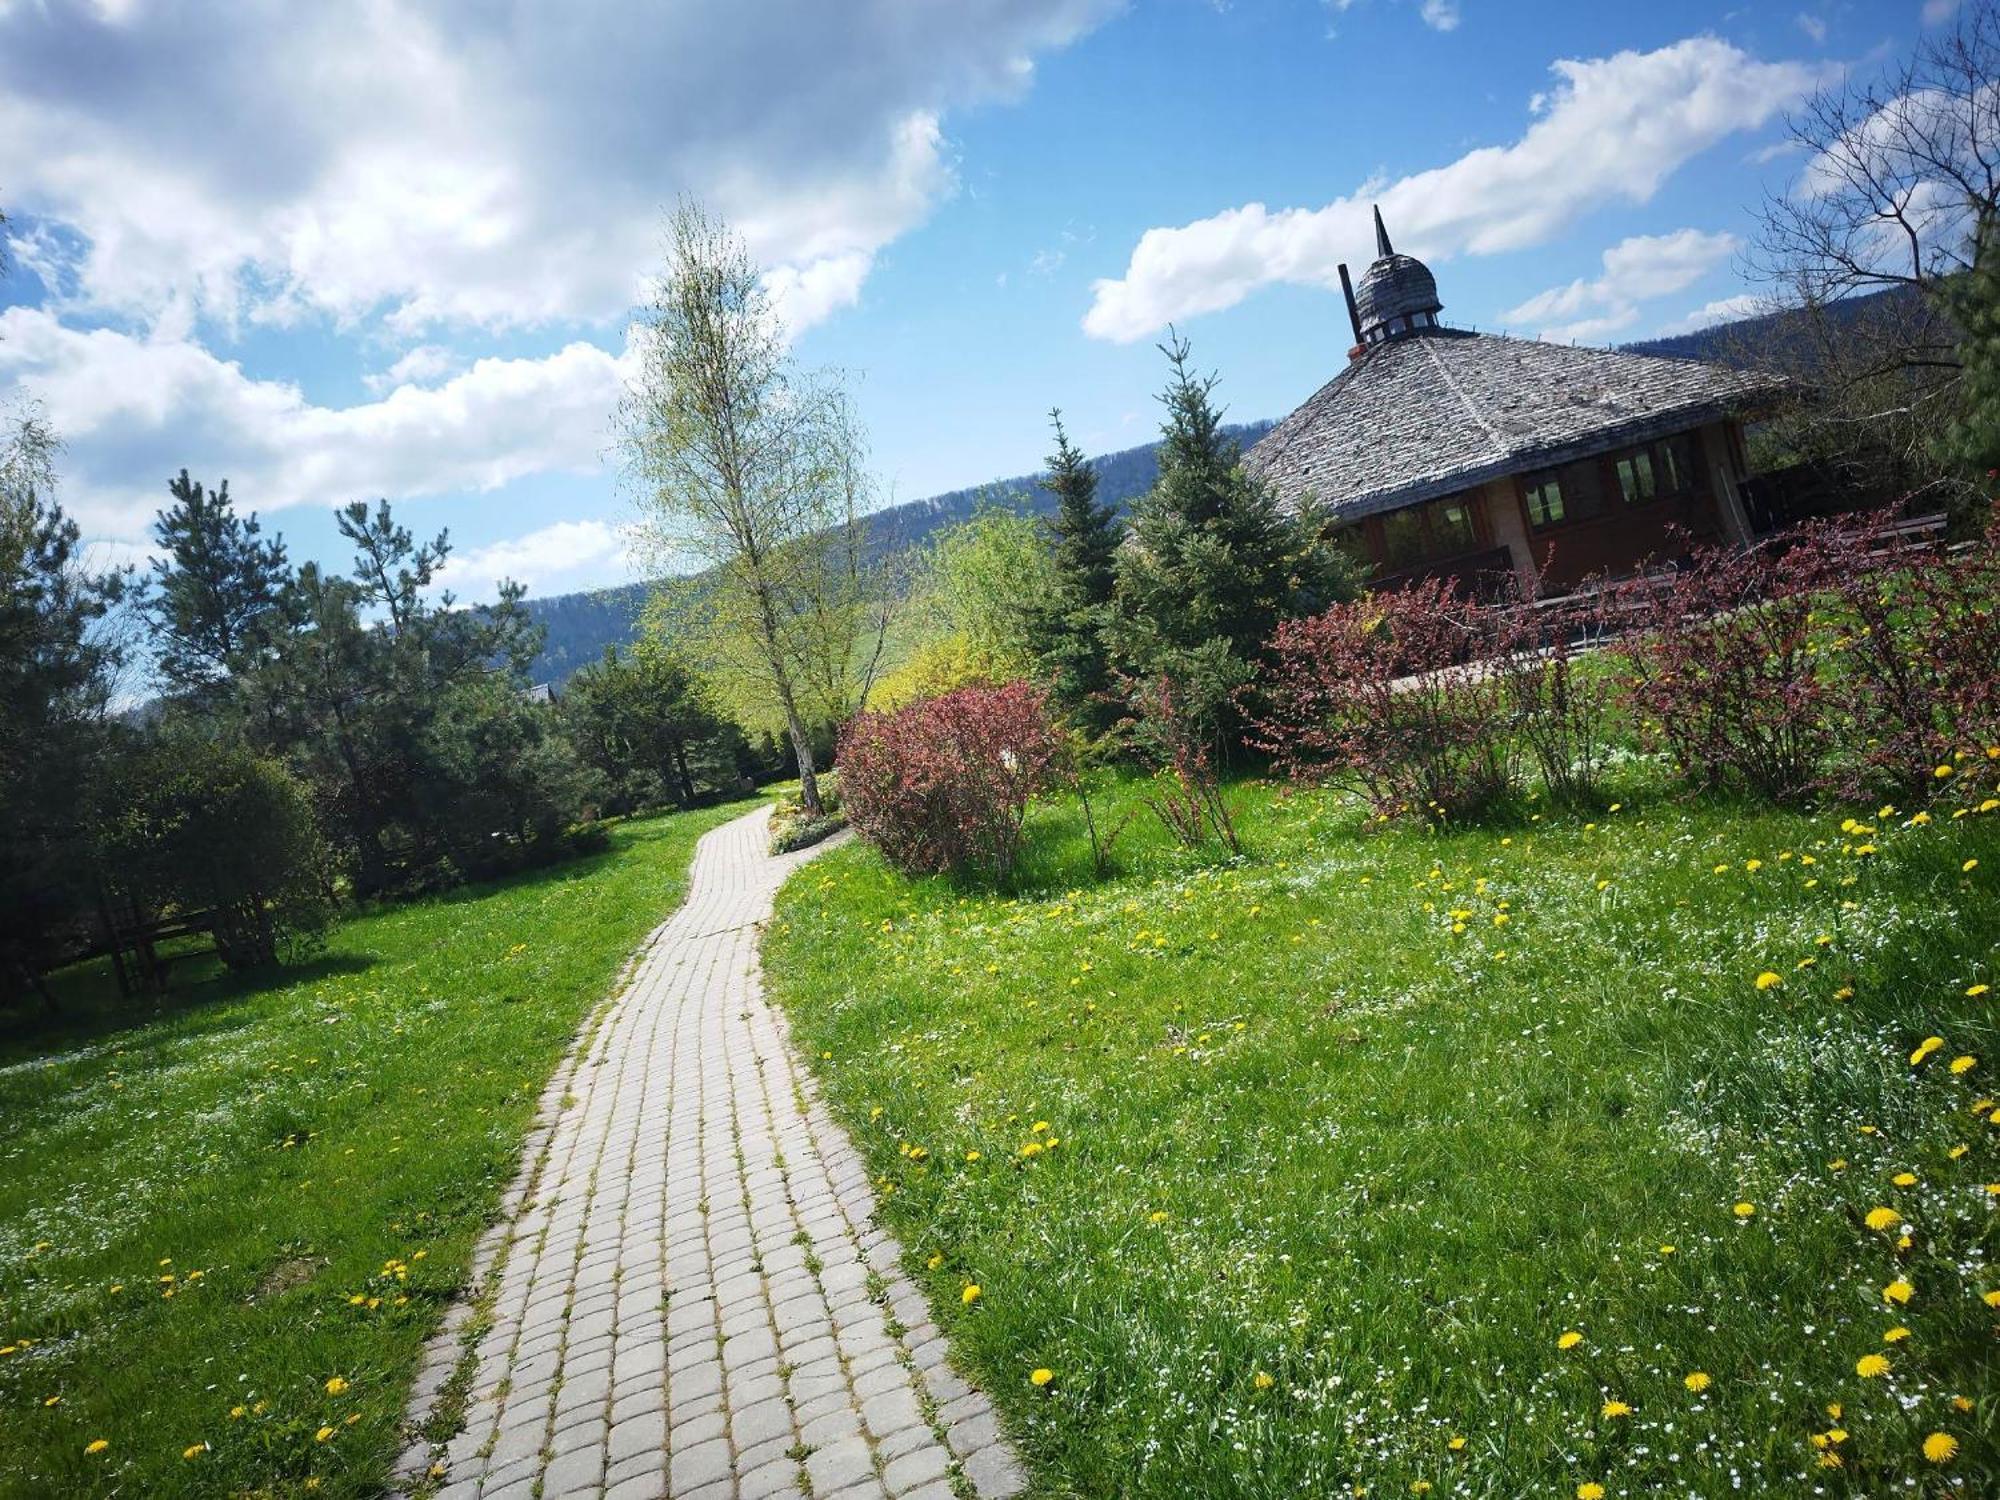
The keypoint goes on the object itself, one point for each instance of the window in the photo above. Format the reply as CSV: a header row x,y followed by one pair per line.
x,y
1451,527
1635,477
1677,468
1545,500
1423,533
1402,536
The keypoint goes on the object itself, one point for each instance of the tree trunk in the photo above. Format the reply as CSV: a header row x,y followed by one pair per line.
x,y
803,753
681,767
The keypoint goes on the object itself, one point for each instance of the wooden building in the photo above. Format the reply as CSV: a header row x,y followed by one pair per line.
x,y
1493,459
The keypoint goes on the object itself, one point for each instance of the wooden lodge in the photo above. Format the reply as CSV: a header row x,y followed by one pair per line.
x,y
1497,460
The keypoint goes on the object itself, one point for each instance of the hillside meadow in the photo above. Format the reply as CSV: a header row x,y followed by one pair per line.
x,y
228,1223
1643,1150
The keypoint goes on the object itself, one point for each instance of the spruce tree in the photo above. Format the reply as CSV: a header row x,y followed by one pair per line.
x,y
219,578
1068,631
1215,562
1972,301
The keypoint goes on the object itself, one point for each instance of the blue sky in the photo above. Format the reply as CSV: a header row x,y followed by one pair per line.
x,y
390,248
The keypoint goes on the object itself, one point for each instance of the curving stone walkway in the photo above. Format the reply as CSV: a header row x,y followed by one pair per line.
x,y
691,1299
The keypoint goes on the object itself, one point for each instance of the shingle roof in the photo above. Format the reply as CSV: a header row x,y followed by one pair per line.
x,y
1442,411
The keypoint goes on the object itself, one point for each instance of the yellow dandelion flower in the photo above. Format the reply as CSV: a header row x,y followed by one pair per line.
x,y
1456,1444
1898,1292
1896,1335
96,1445
1612,1410
1869,1366
1667,1250
1590,1489
969,1296
1925,1048
1941,772
1964,1064
1905,1179
1157,1216
1769,980
1745,1210
1976,990
1940,1447
1569,1340
934,1262
1968,867
1697,1381
1262,1381
1883,1218
1041,1377
323,1435
335,1386
1991,1299
194,1450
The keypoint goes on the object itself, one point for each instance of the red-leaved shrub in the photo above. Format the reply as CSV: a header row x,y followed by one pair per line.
x,y
1722,670
1186,794
1394,696
943,784
1909,640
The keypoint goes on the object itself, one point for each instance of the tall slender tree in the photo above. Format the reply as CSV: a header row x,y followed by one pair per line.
x,y
746,463
1068,630
218,578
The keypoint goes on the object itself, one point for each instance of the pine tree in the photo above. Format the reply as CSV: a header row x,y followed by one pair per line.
x,y
1068,633
216,582
1214,563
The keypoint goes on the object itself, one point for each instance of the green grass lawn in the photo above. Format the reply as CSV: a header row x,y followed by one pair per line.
x,y
1388,1162
228,1223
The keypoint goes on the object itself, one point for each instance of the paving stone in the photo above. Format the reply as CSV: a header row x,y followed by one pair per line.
x,y
631,1248
913,1469
839,1465
996,1474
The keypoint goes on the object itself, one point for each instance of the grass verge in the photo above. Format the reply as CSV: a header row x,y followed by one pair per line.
x,y
1483,1163
227,1229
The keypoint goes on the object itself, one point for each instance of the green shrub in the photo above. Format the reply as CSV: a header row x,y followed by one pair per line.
x,y
188,827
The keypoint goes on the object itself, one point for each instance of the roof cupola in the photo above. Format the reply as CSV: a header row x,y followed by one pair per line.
x,y
1397,296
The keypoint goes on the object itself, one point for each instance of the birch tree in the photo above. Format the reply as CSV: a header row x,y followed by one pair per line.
x,y
750,468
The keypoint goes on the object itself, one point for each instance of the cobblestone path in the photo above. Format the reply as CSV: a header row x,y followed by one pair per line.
x,y
692,1300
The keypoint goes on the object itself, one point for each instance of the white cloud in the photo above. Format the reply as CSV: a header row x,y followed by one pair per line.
x,y
132,411
1441,15
1813,26
419,366
1723,310
1614,128
1936,11
442,162
1636,270
550,560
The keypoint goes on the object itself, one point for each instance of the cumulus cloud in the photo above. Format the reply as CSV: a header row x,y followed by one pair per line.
x,y
1636,270
443,162
1441,15
133,411
1613,128
548,560
419,366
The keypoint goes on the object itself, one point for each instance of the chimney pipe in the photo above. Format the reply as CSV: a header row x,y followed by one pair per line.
x,y
1353,312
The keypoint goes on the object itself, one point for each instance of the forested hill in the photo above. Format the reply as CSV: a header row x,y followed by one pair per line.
x,y
1781,340
580,626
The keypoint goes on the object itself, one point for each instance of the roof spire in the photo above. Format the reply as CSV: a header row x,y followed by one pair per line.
x,y
1383,249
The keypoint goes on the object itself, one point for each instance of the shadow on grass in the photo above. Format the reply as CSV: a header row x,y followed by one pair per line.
x,y
90,1008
